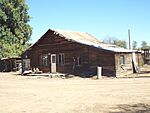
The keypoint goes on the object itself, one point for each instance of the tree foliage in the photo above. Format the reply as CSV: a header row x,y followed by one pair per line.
x,y
144,45
121,43
134,45
114,41
15,31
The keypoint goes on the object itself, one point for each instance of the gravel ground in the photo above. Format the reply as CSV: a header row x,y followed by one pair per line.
x,y
27,94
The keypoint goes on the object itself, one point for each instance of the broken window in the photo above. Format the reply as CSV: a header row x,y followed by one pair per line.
x,y
77,61
44,60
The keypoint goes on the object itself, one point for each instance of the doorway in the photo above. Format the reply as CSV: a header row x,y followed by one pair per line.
x,y
53,63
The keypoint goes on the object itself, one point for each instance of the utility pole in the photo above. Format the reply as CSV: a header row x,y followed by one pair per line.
x,y
129,39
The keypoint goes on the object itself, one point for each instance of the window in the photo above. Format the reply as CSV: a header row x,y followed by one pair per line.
x,y
26,64
44,60
122,60
77,61
53,59
61,59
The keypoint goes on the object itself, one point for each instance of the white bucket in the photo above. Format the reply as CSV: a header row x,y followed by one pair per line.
x,y
99,72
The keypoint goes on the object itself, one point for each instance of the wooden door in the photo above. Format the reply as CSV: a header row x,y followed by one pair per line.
x,y
53,63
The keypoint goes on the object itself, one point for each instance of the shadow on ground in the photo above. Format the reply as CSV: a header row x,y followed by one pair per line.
x,y
135,108
144,72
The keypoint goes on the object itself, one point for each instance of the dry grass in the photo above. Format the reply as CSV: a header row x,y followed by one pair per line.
x,y
22,94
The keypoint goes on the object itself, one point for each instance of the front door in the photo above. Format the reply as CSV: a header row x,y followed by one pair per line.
x,y
53,63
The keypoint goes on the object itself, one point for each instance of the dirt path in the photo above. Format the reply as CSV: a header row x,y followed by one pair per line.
x,y
20,94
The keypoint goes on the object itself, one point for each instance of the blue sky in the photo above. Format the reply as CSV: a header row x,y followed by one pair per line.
x,y
101,18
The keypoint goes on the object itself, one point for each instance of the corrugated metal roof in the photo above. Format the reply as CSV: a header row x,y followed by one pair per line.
x,y
87,39
78,36
117,49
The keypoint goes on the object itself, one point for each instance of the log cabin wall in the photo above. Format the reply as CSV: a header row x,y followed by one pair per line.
x,y
104,59
123,62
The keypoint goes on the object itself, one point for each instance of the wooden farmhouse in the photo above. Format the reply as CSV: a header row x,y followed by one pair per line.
x,y
73,52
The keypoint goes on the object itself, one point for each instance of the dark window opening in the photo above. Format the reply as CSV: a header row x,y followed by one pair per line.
x,y
53,59
77,61
61,59
44,60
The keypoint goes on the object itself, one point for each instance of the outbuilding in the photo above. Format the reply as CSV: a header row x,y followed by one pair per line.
x,y
8,64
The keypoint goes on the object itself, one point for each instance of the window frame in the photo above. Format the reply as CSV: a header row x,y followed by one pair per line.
x,y
44,61
122,60
61,59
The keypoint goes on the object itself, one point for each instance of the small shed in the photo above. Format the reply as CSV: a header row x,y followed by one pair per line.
x,y
10,64
146,56
75,52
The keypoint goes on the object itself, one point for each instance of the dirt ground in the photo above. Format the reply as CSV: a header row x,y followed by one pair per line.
x,y
30,94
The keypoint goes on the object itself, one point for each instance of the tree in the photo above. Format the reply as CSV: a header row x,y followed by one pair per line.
x,y
144,45
15,31
121,43
114,41
109,40
134,45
